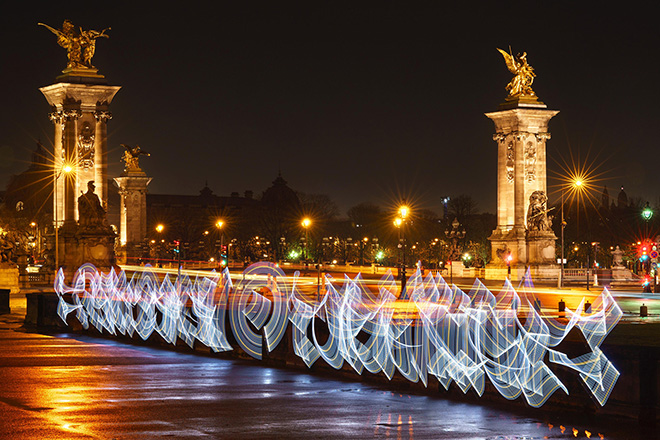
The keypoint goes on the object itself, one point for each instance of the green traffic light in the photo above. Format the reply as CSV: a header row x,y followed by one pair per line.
x,y
647,212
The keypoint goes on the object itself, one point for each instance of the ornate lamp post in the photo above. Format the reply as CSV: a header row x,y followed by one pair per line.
x,y
454,235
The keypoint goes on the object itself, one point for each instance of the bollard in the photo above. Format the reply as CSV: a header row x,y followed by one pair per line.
x,y
587,307
4,301
643,311
562,306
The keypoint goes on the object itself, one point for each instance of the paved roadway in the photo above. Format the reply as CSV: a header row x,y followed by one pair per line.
x,y
70,386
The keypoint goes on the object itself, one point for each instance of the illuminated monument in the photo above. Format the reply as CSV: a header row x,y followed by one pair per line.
x,y
79,103
133,208
523,236
79,110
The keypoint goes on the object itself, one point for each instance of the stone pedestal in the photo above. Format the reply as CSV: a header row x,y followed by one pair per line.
x,y
79,246
521,127
620,274
541,247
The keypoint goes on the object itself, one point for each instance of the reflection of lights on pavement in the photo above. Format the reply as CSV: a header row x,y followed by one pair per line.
x,y
440,330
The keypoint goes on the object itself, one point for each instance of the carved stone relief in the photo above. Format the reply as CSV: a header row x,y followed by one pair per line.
x,y
510,162
86,145
530,162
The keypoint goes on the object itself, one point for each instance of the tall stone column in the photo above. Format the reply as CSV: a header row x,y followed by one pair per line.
x,y
102,116
79,111
521,131
70,115
58,162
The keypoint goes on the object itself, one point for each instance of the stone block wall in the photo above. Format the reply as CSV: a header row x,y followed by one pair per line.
x,y
9,278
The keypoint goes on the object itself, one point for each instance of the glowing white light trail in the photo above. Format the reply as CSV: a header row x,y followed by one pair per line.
x,y
441,330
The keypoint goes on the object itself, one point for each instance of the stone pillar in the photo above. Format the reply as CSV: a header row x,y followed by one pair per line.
x,y
79,111
521,131
102,116
70,115
133,206
58,183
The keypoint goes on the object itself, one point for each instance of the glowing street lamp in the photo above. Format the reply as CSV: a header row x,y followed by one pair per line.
x,y
159,228
400,222
306,222
223,258
365,240
66,170
576,186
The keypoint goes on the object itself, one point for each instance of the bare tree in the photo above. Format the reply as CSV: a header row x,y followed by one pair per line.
x,y
461,207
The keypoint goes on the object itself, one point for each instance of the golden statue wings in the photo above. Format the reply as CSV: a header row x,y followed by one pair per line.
x,y
521,84
80,45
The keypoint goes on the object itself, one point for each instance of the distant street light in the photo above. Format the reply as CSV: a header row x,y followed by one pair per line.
x,y
306,222
224,259
159,228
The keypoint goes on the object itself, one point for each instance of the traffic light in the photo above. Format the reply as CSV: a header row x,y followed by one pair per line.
x,y
223,255
177,246
596,246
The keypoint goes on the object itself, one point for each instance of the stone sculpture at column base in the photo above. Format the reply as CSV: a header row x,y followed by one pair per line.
x,y
621,274
92,240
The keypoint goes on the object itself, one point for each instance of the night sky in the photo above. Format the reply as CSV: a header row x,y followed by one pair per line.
x,y
363,101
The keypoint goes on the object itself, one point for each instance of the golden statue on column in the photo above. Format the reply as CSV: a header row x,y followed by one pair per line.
x,y
80,45
131,158
521,84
